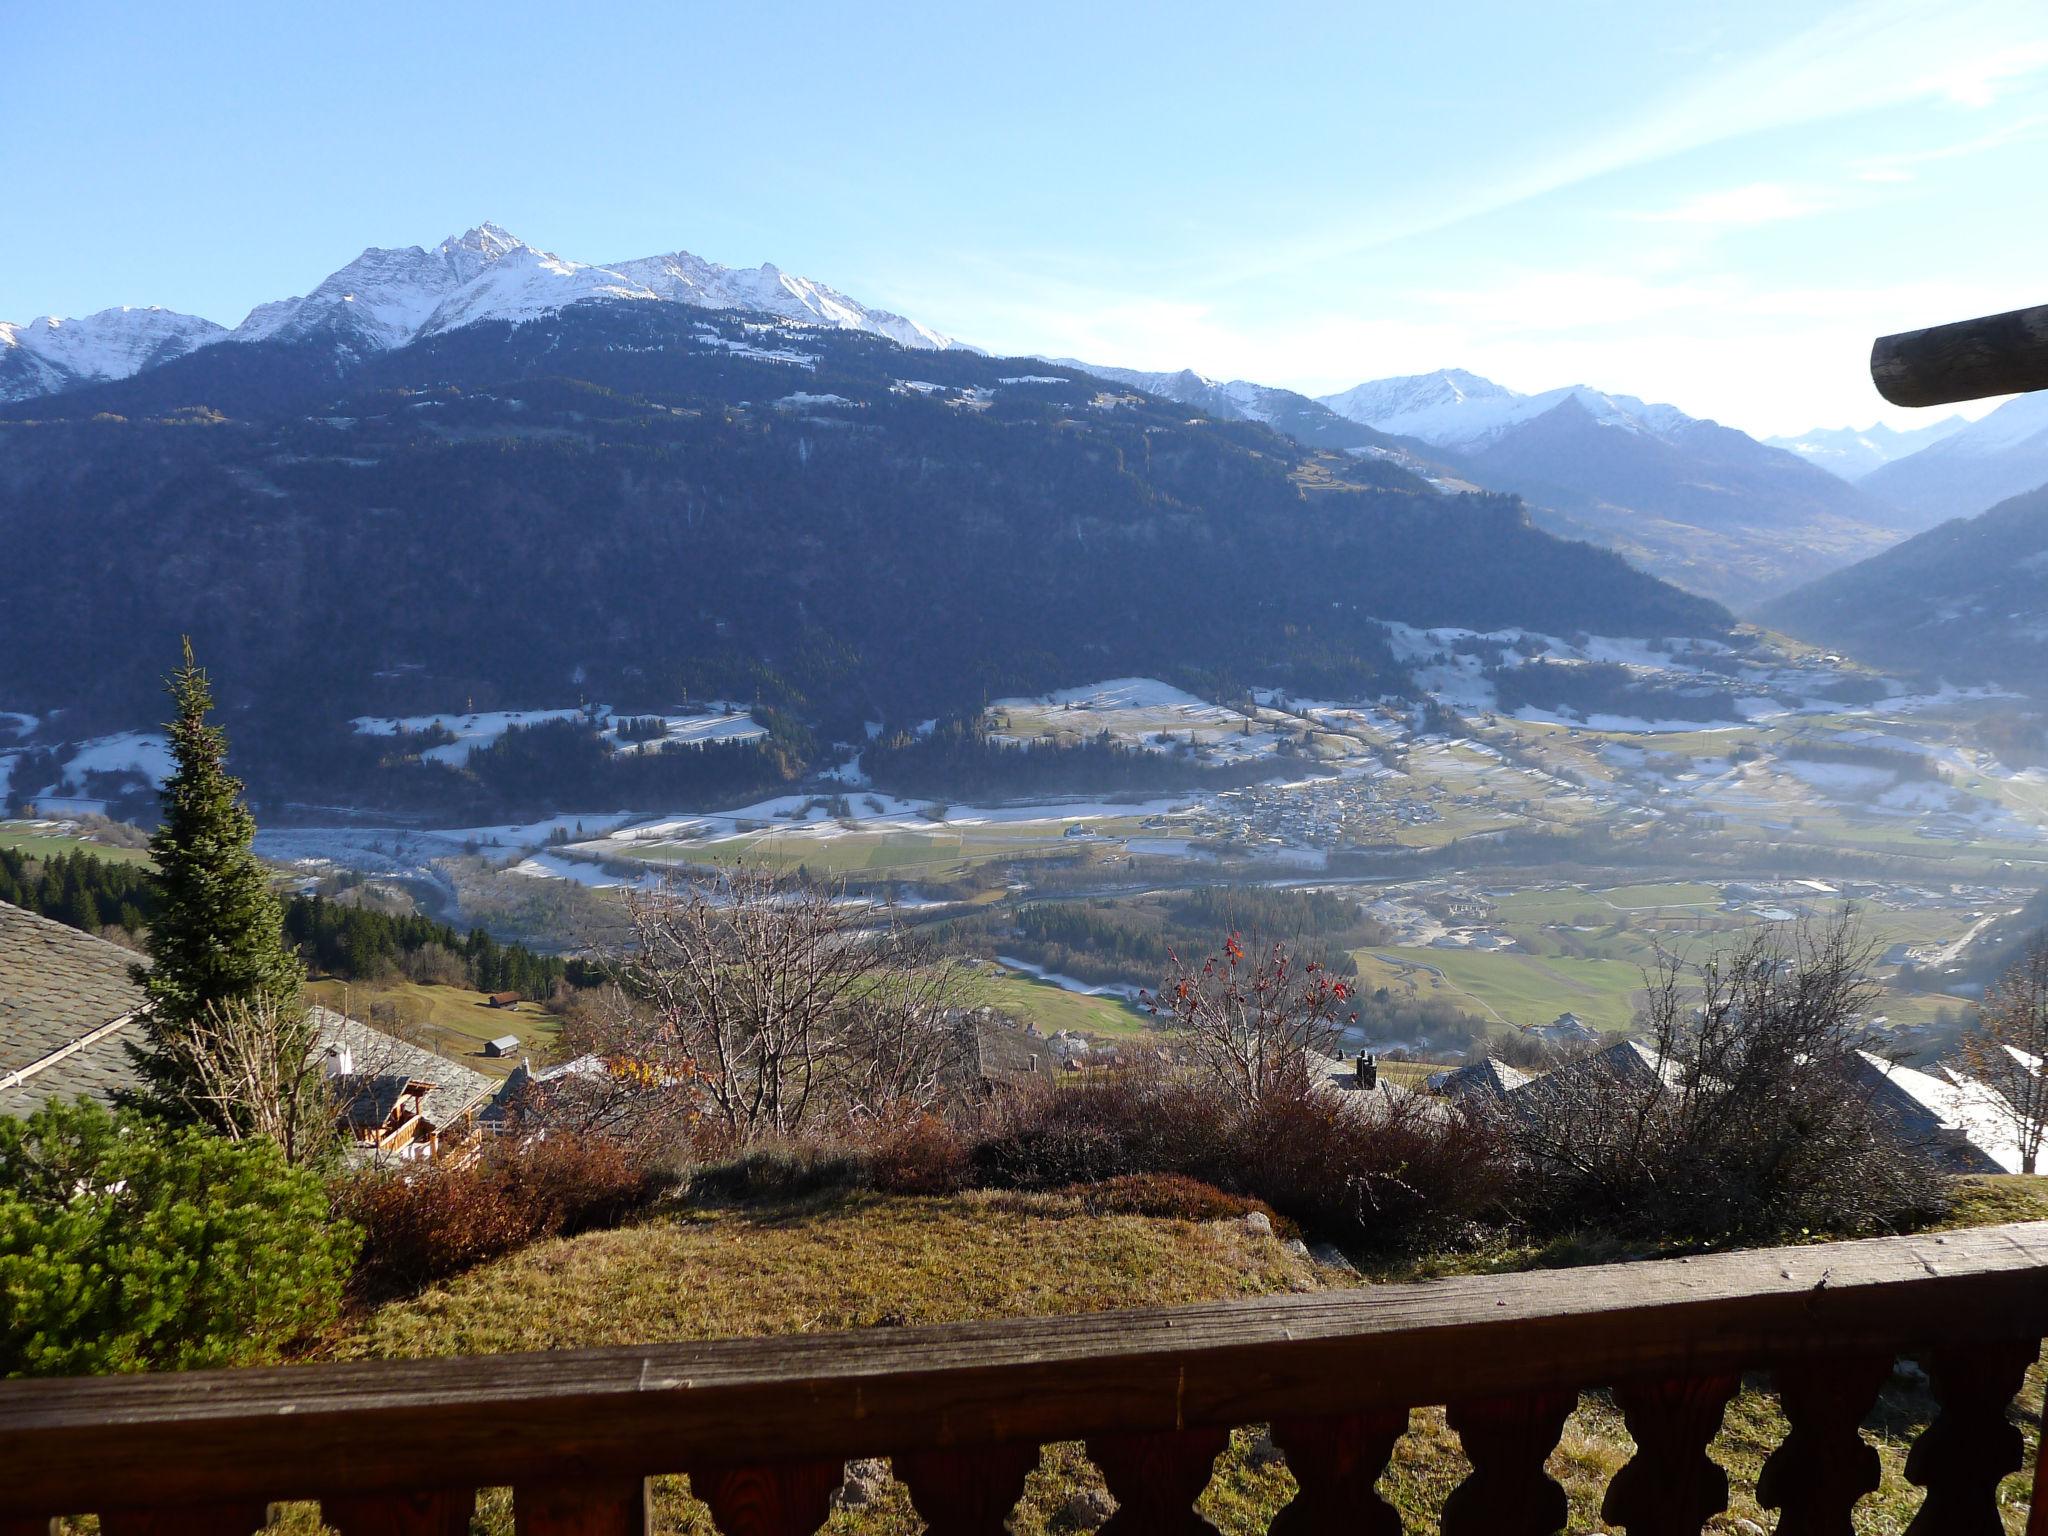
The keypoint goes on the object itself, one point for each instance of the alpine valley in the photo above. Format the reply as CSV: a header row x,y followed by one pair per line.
x,y
508,566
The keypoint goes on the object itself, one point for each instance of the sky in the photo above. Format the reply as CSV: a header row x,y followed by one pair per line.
x,y
1715,206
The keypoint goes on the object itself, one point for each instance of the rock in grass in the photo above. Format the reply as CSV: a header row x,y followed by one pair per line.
x,y
1258,1223
1262,1452
1330,1256
863,1485
1088,1509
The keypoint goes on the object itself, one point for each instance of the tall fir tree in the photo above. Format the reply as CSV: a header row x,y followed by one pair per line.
x,y
218,934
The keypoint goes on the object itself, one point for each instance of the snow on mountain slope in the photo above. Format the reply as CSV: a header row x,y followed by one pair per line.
x,y
384,297
49,354
2003,455
767,289
1853,453
388,297
1455,409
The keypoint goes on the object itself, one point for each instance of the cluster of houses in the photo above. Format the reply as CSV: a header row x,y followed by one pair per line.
x,y
1966,1125
70,1014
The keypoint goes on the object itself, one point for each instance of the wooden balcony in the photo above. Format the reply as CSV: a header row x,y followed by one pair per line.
x,y
763,1426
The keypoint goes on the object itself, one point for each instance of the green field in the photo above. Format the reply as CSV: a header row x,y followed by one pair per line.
x,y
1510,988
941,852
1052,1008
450,1021
38,842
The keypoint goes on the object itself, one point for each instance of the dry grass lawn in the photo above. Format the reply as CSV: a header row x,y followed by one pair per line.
x,y
865,1261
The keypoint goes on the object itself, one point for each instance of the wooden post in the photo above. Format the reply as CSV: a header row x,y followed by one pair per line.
x,y
1995,355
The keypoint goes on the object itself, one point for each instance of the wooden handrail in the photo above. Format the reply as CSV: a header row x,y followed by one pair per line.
x,y
1968,360
223,1438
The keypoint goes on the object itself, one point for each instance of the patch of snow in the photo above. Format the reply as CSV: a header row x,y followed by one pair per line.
x,y
144,753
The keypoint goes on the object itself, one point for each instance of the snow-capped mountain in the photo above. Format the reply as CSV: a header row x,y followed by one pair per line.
x,y
49,354
1964,473
1307,421
1455,409
768,290
386,298
1853,453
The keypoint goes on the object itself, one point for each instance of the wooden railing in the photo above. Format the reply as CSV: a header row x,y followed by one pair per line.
x,y
763,1426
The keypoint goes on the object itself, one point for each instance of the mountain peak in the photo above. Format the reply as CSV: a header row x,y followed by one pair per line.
x,y
487,240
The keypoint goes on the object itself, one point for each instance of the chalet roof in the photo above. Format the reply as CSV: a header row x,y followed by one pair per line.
x,y
1489,1075
1962,1121
383,1067
66,1006
1001,1053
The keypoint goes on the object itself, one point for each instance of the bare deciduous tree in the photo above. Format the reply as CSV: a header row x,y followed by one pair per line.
x,y
1251,1024
253,1069
1744,1111
779,1004
2009,1051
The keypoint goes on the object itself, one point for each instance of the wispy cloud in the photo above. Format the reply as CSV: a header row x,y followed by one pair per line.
x,y
1762,202
1860,57
1903,166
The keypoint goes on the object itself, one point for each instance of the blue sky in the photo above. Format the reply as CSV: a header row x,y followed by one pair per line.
x,y
1712,205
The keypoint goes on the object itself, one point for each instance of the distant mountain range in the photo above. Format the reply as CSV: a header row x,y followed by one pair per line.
x,y
1689,500
388,298
1966,602
647,502
1988,461
1853,453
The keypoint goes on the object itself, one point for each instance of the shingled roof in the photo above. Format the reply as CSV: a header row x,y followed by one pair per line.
x,y
66,1014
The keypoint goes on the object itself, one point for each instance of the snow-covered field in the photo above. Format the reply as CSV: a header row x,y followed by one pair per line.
x,y
718,721
1140,712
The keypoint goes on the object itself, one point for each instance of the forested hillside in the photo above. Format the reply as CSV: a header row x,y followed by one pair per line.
x,y
1964,601
638,503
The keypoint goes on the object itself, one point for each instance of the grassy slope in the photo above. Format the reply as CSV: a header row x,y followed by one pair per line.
x,y
452,1021
38,842
1053,1008
869,1261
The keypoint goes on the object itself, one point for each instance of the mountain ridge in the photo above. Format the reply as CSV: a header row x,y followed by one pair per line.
x,y
388,297
1965,601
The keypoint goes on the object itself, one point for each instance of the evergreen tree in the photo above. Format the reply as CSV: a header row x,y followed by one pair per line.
x,y
218,935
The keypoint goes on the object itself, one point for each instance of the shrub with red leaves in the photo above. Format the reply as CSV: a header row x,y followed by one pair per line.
x,y
427,1222
1172,1196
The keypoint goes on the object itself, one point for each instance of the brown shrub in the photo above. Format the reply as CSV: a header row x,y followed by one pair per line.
x,y
1172,1196
920,1156
1383,1170
425,1223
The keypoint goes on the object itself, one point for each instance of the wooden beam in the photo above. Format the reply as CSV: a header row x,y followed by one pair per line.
x,y
1969,360
294,1432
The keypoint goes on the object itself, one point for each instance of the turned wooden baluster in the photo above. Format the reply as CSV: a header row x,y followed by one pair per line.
x,y
237,1519
1670,1487
1337,1463
789,1498
600,1507
1960,1457
435,1512
966,1493
1507,1441
1156,1478
1824,1465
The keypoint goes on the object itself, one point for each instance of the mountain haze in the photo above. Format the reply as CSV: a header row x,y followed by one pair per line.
x,y
1853,453
1697,503
1987,461
1966,602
